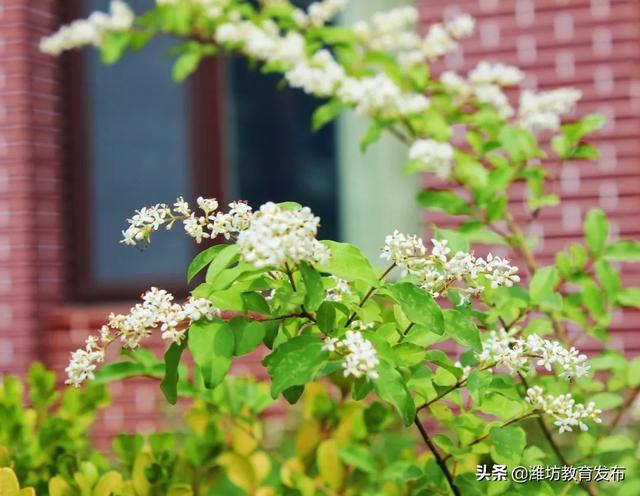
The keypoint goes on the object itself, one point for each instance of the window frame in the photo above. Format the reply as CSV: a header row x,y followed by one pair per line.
x,y
207,167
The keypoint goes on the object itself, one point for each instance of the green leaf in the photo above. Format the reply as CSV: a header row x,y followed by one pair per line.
x,y
348,262
223,259
186,64
255,302
629,297
418,305
313,283
391,388
609,278
359,457
470,172
202,259
543,284
248,335
462,330
507,444
169,384
211,344
606,401
326,317
562,146
123,370
477,383
372,134
113,46
596,231
624,251
292,394
295,362
326,113
520,144
409,354
447,201
431,123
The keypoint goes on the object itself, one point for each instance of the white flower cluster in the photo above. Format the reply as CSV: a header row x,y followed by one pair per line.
x,y
89,31
442,38
434,156
319,13
515,353
485,83
438,271
157,311
542,111
210,223
279,237
393,30
379,95
564,409
320,74
360,356
339,291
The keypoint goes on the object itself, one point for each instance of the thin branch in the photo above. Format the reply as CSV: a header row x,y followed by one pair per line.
x,y
405,332
506,424
459,383
439,460
368,295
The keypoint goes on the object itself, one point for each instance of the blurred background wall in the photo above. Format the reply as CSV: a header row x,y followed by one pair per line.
x,y
82,146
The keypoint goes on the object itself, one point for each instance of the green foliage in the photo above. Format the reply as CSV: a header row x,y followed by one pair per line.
x,y
352,446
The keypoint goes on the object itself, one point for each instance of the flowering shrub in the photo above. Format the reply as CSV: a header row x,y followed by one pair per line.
x,y
520,392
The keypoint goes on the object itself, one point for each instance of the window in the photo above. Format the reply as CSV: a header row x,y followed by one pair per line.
x,y
135,138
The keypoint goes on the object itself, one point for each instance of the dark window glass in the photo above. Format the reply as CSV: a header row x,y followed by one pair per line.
x,y
273,152
138,155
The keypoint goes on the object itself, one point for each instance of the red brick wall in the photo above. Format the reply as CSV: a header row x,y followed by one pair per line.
x,y
30,224
591,45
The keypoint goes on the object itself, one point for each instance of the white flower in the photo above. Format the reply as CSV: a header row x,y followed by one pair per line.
x,y
516,353
439,270
319,13
391,31
157,310
380,96
495,73
437,42
88,31
279,236
402,249
493,95
358,325
435,156
144,222
207,204
330,344
194,227
461,26
499,271
360,356
566,412
340,290
542,111
456,83
82,365
319,76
